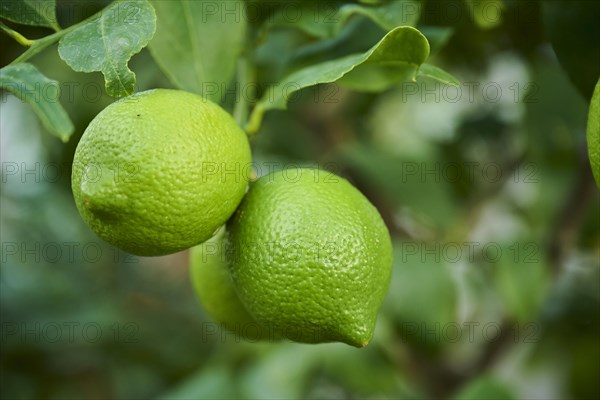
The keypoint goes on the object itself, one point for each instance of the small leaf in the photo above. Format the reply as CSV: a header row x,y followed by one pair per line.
x,y
394,59
430,71
321,19
593,133
198,42
29,85
30,12
107,42
487,14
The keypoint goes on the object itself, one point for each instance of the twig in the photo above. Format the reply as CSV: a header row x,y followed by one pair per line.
x,y
22,40
572,212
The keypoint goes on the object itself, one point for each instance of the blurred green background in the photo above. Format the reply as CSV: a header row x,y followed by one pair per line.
x,y
486,190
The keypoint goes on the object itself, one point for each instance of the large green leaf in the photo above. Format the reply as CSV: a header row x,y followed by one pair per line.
x,y
573,30
28,84
395,58
106,43
198,42
593,133
30,12
324,19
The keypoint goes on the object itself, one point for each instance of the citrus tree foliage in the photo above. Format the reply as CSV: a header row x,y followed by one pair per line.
x,y
491,203
198,46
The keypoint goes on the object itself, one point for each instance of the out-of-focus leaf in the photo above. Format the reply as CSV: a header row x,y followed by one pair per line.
x,y
107,42
593,133
30,12
583,376
198,42
362,373
485,388
573,30
431,71
273,376
554,112
387,15
487,14
323,19
422,295
210,383
437,36
28,84
522,278
394,59
402,180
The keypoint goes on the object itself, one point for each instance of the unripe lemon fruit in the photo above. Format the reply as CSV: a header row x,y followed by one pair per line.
x,y
310,256
211,280
160,171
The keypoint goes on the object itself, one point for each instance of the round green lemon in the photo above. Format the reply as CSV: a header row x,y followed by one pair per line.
x,y
214,288
159,171
310,257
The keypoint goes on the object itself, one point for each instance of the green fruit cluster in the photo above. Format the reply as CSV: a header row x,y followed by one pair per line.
x,y
301,255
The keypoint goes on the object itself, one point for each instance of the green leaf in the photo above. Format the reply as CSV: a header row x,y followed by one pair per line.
x,y
388,15
485,388
107,42
430,71
30,12
198,42
593,133
521,277
322,20
272,376
437,36
487,14
430,202
29,85
394,59
573,30
210,383
422,296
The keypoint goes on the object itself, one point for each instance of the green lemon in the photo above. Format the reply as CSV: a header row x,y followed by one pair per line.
x,y
212,283
310,256
159,171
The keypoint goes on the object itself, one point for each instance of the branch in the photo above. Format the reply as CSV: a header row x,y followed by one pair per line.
x,y
571,214
22,40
